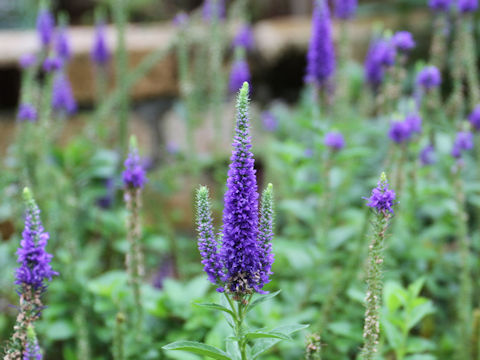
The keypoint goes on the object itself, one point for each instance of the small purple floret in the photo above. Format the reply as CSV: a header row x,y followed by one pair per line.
x,y
403,41
62,95
244,38
382,198
463,142
52,63
334,140
27,61
466,6
134,175
345,9
62,44
429,78
45,26
239,74
399,131
100,54
440,5
27,112
474,118
269,121
427,155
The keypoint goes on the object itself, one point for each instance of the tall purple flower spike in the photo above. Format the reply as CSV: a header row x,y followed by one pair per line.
x,y
45,27
239,74
34,260
474,118
463,142
440,5
381,54
345,9
382,198
241,254
100,54
27,112
321,53
403,41
62,44
207,242
427,155
213,8
467,6
244,38
62,95
429,78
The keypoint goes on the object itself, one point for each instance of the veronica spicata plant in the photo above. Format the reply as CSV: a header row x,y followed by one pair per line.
x,y
31,278
238,260
381,201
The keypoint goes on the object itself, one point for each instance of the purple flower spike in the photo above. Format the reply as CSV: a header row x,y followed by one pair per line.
x,y
62,95
440,5
27,112
403,41
27,61
381,55
463,142
427,155
33,258
45,26
62,44
244,38
429,78
241,253
181,19
399,131
334,140
207,243
466,6
345,9
382,198
414,122
239,74
213,9
321,53
100,54
474,118
52,63
134,174
269,121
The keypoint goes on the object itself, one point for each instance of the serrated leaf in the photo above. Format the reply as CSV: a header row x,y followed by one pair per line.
x,y
261,299
215,307
198,348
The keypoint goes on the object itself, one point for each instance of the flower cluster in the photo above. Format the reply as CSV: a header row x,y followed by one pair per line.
x,y
242,264
440,5
401,131
27,112
463,142
239,73
382,198
345,9
244,38
467,6
427,155
474,118
381,55
321,55
62,44
45,26
134,175
33,258
100,54
334,140
429,78
62,95
403,41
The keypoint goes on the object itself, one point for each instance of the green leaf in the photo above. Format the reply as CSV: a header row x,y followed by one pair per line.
x,y
198,348
215,307
267,334
263,345
419,312
261,299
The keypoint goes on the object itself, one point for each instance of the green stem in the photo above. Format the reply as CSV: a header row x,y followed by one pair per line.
x,y
239,312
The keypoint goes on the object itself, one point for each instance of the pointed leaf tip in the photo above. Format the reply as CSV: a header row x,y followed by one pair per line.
x,y
383,177
27,194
